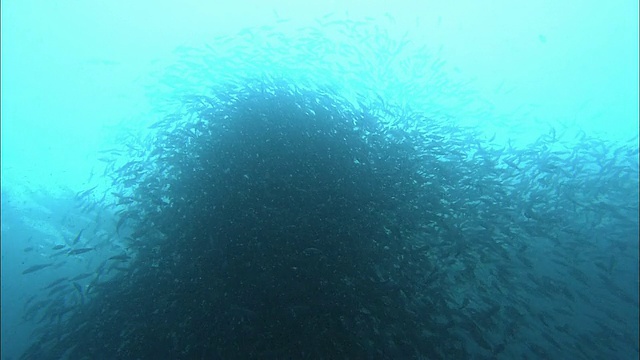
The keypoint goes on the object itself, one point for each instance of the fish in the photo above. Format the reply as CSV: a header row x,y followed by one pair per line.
x,y
79,251
125,216
59,265
123,257
78,287
126,200
81,276
33,310
89,207
85,193
75,241
54,283
58,247
35,268
28,249
511,163
58,253
26,303
58,288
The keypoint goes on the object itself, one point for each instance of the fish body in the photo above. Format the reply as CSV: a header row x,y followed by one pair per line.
x,y
78,287
58,288
58,253
125,216
80,292
56,282
85,193
79,251
35,268
81,276
120,257
75,241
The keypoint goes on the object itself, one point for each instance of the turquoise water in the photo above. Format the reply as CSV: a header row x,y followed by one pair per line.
x,y
73,71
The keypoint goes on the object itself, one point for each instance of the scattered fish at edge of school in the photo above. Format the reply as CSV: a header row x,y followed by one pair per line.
x,y
79,251
55,282
75,241
81,276
120,257
35,268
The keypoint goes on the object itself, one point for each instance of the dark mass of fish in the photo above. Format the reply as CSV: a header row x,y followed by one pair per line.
x,y
275,216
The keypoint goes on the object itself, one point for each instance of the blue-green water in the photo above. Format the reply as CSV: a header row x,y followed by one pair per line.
x,y
357,181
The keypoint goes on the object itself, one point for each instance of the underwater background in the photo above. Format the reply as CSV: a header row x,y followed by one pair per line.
x,y
325,180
